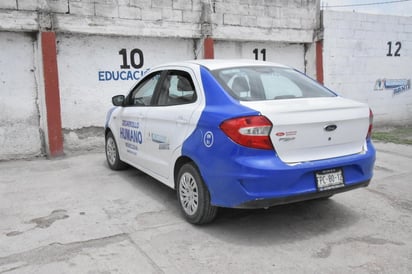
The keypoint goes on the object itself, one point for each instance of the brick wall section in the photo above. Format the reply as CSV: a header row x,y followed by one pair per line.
x,y
266,20
355,57
275,20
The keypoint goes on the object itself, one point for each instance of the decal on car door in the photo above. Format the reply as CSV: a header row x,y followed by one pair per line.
x,y
161,140
130,132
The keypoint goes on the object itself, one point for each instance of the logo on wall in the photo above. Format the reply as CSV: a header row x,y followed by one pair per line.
x,y
396,85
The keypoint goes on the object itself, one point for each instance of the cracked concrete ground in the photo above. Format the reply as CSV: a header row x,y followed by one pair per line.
x,y
75,215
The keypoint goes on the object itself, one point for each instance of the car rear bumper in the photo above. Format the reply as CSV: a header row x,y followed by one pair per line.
x,y
257,181
262,203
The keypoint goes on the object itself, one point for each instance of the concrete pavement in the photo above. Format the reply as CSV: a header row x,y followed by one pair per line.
x,y
75,215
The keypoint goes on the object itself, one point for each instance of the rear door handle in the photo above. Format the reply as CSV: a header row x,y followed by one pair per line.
x,y
180,120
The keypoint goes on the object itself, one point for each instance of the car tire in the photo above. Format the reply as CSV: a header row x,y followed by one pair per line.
x,y
112,153
193,196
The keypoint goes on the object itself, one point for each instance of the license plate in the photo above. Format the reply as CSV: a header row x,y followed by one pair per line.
x,y
329,179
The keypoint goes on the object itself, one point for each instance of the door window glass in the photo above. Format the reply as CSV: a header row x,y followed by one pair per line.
x,y
143,92
177,89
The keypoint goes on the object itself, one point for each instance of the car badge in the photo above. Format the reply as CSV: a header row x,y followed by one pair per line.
x,y
330,127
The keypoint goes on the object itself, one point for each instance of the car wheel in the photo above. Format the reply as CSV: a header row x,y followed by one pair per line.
x,y
193,196
112,153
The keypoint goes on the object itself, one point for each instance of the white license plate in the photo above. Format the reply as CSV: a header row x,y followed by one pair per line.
x,y
329,179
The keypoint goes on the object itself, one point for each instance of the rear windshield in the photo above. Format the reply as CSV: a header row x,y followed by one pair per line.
x,y
268,83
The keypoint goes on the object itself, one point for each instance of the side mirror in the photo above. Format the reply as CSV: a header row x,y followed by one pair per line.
x,y
118,100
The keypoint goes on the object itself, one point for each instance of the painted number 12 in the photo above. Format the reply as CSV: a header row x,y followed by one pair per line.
x,y
398,46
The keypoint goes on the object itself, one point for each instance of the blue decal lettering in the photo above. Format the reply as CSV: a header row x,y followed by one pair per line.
x,y
131,146
136,74
124,75
108,75
129,132
133,124
400,89
129,135
115,75
101,75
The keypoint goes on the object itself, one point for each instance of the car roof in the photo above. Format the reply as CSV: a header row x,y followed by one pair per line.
x,y
214,64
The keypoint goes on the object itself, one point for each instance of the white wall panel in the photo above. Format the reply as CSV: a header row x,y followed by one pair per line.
x,y
19,115
94,68
368,58
282,53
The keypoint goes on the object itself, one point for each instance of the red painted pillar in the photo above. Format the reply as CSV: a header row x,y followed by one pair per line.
x,y
209,48
52,94
319,61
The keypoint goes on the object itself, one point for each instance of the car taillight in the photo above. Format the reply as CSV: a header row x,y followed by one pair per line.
x,y
369,135
249,131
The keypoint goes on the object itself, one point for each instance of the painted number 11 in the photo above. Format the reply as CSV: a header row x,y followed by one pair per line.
x,y
262,51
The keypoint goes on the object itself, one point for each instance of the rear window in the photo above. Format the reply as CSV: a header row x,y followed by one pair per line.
x,y
268,83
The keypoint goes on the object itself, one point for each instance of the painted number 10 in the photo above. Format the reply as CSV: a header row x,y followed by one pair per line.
x,y
398,46
135,64
262,51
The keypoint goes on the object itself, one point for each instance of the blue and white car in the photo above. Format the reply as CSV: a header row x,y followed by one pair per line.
x,y
240,134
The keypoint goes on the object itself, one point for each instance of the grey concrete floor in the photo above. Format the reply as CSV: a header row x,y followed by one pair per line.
x,y
75,215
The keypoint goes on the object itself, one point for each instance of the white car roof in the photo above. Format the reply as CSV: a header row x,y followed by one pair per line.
x,y
213,64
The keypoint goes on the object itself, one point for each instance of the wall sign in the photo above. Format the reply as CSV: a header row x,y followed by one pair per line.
x,y
396,85
133,62
131,67
396,49
282,53
262,52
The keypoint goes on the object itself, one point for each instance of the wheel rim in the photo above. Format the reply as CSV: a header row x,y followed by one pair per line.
x,y
111,151
188,191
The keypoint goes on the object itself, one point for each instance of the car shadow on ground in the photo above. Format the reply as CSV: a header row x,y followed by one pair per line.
x,y
278,224
282,223
158,192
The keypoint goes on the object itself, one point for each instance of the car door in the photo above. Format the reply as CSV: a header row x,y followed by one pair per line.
x,y
132,118
167,123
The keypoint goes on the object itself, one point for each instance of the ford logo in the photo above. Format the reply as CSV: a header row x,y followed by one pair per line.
x,y
330,127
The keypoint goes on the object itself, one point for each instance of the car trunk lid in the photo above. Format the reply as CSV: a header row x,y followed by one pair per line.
x,y
311,129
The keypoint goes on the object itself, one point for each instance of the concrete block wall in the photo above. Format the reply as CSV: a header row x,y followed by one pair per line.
x,y
20,132
276,20
96,41
152,18
368,58
365,57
